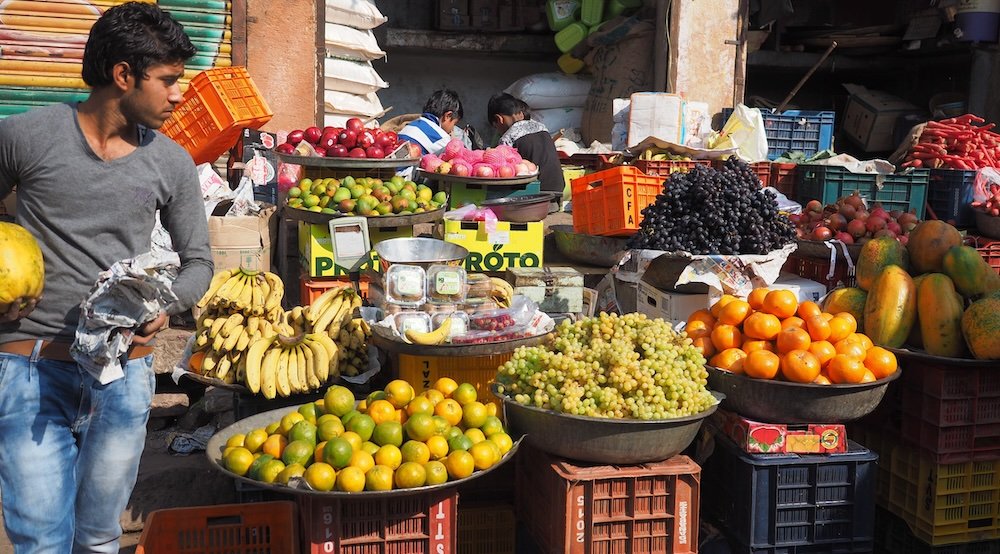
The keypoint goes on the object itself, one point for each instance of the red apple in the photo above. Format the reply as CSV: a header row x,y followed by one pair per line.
x,y
312,134
392,135
354,124
374,152
285,148
337,151
329,129
415,151
320,151
295,137
385,142
357,153
328,140
348,138
366,138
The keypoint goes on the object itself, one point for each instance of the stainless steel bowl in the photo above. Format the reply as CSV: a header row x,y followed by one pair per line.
x,y
521,209
602,440
419,251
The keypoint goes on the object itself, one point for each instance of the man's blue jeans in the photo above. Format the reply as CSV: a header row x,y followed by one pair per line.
x,y
69,452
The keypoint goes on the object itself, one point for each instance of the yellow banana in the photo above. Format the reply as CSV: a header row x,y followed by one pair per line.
x,y
245,298
265,291
322,320
269,372
202,338
294,384
303,370
231,323
222,369
256,296
436,336
218,342
232,298
320,304
218,280
281,382
277,291
311,380
241,370
233,338
254,359
321,363
208,364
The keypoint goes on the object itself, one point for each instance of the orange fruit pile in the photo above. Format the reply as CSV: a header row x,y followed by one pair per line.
x,y
770,335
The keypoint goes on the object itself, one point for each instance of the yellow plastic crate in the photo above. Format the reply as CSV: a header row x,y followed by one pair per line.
x,y
479,371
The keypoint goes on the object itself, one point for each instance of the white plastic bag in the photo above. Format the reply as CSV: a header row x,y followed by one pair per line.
x,y
336,102
551,90
745,131
984,178
557,119
360,14
351,44
353,77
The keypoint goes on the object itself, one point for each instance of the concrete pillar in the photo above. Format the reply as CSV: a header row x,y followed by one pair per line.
x,y
704,55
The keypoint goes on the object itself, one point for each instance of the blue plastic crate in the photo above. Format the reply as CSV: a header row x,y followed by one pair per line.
x,y
791,503
826,183
949,194
795,130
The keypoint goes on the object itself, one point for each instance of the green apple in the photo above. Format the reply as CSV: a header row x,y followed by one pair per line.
x,y
324,201
310,201
440,197
399,204
347,181
425,194
329,211
294,192
408,194
316,209
343,193
319,189
398,180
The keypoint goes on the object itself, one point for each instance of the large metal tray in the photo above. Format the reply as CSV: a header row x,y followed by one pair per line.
x,y
217,444
588,249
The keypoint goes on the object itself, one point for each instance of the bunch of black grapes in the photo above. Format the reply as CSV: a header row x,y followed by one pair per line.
x,y
708,211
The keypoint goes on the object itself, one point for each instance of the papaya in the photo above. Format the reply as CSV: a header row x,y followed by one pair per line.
x,y
972,276
981,327
928,243
22,269
915,338
939,310
876,255
891,308
847,299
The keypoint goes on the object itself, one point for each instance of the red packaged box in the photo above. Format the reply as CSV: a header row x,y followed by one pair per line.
x,y
755,437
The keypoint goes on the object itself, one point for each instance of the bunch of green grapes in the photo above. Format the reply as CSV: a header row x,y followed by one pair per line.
x,y
611,366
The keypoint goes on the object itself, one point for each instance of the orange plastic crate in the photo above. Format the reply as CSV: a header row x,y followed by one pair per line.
x,y
610,202
312,287
218,104
225,529
988,248
580,508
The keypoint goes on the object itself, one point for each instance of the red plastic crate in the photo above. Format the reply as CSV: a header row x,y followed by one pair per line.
x,y
414,524
664,168
818,270
218,104
610,202
313,287
783,178
988,248
224,529
952,413
589,509
487,529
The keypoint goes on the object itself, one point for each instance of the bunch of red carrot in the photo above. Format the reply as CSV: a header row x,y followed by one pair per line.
x,y
955,143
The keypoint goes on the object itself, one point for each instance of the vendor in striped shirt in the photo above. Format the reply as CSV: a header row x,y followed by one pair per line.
x,y
433,129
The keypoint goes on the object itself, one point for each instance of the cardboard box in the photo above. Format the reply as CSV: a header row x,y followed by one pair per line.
x,y
508,245
871,116
673,307
554,289
483,14
243,241
655,114
253,155
755,437
806,289
316,250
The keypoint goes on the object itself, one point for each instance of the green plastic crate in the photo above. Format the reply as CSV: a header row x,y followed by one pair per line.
x,y
900,191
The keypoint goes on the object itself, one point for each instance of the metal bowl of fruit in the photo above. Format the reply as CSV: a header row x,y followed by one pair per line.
x,y
420,251
773,401
602,440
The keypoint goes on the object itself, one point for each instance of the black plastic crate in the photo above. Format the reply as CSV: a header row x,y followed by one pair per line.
x,y
776,501
795,131
900,191
949,194
849,547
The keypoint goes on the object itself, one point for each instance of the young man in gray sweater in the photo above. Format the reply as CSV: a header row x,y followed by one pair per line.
x,y
89,179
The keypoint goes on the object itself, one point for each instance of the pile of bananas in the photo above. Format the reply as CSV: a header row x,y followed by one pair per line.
x,y
251,293
331,314
660,155
502,292
279,365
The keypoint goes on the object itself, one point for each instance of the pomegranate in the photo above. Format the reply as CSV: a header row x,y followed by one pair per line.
x,y
814,206
875,224
836,222
903,240
856,228
821,233
885,233
907,217
843,237
848,211
879,212
894,227
854,199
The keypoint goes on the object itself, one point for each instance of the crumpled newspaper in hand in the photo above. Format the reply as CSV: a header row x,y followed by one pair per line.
x,y
126,296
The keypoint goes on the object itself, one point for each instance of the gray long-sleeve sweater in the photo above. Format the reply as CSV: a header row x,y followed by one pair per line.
x,y
87,213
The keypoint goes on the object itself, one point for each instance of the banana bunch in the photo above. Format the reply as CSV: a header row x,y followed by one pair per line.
x,y
252,293
352,340
437,336
224,338
332,310
502,292
280,365
659,155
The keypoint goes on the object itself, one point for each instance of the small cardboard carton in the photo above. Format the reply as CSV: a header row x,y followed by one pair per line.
x,y
243,241
672,307
755,437
253,156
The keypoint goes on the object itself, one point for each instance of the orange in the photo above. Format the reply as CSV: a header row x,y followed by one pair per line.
x,y
818,328
433,395
460,464
750,345
734,312
275,445
464,394
236,440
436,473
869,377
867,342
793,321
721,303
726,336
697,329
421,427
485,454
762,326
420,405
703,316
379,478
389,456
730,359
445,385
781,303
381,410
880,362
756,298
399,393
473,416
841,328
826,316
362,460
438,447
320,476
793,338
800,366
822,380
823,350
846,369
808,309
450,410
848,316
761,364
410,475
353,438
414,451
196,361
238,460
852,348
704,344
350,479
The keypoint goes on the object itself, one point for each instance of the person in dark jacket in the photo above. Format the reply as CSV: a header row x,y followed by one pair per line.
x,y
512,117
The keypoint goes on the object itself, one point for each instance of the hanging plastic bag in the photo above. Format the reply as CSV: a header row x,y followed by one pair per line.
x,y
745,131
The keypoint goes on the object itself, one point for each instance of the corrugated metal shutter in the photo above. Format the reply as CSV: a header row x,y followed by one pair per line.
x,y
41,45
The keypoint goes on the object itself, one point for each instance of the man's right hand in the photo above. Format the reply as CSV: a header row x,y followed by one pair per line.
x,y
17,309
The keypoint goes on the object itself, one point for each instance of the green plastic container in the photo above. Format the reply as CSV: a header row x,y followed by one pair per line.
x,y
561,13
618,7
571,35
592,12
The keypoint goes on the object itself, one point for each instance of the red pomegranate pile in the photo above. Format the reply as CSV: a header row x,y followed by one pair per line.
x,y
852,222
